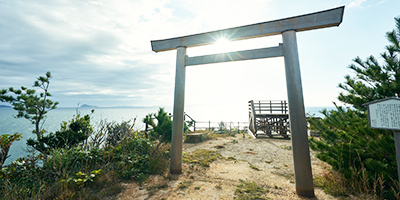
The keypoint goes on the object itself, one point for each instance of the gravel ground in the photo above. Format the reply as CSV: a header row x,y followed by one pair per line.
x,y
266,161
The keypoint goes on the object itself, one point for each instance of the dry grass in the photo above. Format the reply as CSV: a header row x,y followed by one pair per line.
x,y
264,166
202,156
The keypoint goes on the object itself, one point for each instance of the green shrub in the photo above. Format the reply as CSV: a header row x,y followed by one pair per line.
x,y
359,153
71,161
71,134
23,178
31,106
5,143
364,157
81,179
118,132
74,172
163,129
137,159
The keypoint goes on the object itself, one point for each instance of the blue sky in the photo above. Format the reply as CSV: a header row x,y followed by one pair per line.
x,y
99,51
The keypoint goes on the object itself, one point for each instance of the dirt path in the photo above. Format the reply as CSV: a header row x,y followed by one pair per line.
x,y
267,162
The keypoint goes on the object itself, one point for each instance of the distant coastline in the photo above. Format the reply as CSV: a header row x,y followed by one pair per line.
x,y
88,106
92,106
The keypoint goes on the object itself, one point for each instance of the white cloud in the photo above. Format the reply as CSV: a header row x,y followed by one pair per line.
x,y
356,3
101,49
96,47
365,3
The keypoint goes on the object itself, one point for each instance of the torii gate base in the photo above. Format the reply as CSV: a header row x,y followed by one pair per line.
x,y
288,28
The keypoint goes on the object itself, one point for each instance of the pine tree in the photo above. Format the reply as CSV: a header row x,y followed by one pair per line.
x,y
361,154
164,125
32,106
374,81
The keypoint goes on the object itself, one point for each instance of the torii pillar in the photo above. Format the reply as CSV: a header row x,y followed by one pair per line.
x,y
288,28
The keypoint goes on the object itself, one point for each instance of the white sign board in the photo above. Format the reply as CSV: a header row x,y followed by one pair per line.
x,y
385,114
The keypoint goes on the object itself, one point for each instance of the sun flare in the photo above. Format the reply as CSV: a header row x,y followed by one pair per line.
x,y
222,45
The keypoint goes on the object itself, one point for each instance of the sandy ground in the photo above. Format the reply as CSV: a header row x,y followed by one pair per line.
x,y
272,163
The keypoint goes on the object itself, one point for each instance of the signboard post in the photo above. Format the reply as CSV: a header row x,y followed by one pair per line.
x,y
385,114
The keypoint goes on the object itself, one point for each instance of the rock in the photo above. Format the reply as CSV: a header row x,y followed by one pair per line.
x,y
195,137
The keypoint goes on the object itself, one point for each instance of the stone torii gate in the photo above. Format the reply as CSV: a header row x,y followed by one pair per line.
x,y
288,28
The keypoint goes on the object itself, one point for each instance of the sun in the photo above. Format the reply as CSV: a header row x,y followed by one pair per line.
x,y
222,45
219,45
221,41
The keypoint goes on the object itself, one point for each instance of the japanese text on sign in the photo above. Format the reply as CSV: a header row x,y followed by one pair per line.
x,y
385,115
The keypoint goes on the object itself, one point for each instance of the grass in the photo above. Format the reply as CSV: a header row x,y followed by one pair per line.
x,y
250,190
205,157
286,147
332,185
335,184
254,167
185,184
202,157
77,173
268,161
231,158
289,176
153,189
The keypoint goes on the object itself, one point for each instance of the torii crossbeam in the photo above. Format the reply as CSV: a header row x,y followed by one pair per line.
x,y
288,28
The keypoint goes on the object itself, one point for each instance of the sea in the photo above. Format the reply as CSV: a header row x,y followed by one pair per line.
x,y
9,124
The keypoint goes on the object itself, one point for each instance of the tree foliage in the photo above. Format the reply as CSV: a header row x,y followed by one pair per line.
x,y
74,172
374,81
5,143
161,124
29,104
71,134
163,127
148,121
117,133
361,154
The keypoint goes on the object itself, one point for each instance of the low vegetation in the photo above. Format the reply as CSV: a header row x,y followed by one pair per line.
x,y
250,190
84,171
202,157
362,159
32,106
5,143
78,161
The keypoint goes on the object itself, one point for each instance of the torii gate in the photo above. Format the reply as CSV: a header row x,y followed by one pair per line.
x,y
288,28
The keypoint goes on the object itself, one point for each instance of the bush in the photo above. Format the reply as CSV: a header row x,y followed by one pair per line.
x,y
23,179
163,129
137,159
80,172
71,134
118,132
362,155
63,162
5,143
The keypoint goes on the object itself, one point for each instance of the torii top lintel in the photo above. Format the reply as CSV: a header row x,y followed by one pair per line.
x,y
317,20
